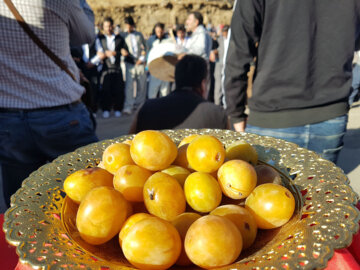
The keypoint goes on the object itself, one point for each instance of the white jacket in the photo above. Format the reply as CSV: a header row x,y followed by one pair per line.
x,y
199,43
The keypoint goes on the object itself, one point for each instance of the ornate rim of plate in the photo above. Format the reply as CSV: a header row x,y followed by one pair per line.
x,y
327,217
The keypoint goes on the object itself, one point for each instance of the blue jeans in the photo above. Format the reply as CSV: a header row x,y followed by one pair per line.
x,y
325,138
29,139
355,83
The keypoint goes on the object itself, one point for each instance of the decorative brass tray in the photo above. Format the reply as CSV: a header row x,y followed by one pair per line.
x,y
40,221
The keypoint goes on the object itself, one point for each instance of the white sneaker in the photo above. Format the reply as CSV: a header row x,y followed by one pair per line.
x,y
117,113
106,114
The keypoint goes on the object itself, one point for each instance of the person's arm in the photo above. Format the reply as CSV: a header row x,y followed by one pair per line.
x,y
81,23
124,49
100,55
245,32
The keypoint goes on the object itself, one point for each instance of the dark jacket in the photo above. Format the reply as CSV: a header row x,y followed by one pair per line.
x,y
304,54
119,44
180,109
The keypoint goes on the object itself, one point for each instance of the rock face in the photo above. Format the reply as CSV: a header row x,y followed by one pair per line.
x,y
147,13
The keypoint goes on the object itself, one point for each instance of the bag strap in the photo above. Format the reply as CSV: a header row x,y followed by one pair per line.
x,y
36,40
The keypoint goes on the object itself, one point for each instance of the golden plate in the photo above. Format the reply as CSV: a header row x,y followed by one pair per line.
x,y
40,221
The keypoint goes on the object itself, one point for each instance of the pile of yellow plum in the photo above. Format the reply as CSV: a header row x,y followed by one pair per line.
x,y
199,203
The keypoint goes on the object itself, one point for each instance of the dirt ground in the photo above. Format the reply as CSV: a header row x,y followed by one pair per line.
x,y
148,12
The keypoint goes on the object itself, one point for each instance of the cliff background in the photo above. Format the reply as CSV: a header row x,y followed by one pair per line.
x,y
147,13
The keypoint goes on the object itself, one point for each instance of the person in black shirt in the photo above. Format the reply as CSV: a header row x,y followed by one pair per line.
x,y
185,107
302,82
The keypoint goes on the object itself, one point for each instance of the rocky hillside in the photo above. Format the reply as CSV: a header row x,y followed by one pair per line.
x,y
148,12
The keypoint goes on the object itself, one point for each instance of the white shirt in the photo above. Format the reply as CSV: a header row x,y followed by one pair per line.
x,y
29,78
199,43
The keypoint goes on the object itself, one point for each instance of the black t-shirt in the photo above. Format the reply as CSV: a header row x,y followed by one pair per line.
x,y
180,109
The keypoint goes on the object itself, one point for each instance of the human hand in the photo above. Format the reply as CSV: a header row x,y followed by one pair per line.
x,y
89,65
124,52
240,126
139,62
110,54
212,56
101,55
181,56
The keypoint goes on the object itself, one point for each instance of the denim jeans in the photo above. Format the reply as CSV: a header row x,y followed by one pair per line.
x,y
157,88
325,138
134,73
29,139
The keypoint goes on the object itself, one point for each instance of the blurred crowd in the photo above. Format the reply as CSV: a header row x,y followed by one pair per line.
x,y
114,66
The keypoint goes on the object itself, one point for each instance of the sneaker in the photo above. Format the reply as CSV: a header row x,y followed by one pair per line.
x,y
127,111
117,113
106,114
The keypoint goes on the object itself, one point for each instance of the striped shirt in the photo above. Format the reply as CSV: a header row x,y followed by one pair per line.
x,y
29,79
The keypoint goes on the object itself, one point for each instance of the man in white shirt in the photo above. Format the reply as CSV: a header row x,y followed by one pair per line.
x,y
135,67
200,41
41,115
110,48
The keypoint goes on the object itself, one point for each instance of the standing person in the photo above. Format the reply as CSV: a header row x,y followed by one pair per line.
x,y
91,72
199,42
219,66
181,38
303,70
41,116
157,87
135,67
109,48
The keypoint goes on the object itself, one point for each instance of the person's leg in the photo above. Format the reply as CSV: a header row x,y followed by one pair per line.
x,y
94,80
58,132
119,95
129,88
164,89
325,138
140,86
296,135
13,175
153,87
355,84
19,155
106,99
